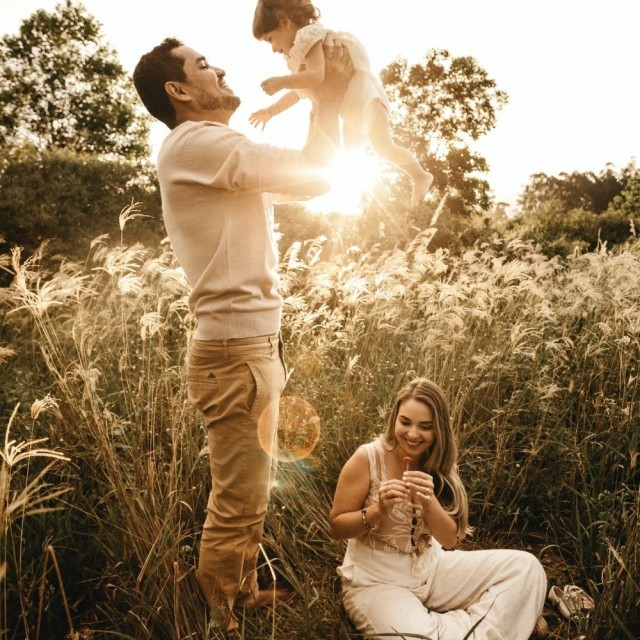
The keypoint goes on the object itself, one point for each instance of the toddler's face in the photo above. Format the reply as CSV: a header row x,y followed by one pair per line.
x,y
281,39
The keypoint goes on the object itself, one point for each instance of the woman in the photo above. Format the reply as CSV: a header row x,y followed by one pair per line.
x,y
400,502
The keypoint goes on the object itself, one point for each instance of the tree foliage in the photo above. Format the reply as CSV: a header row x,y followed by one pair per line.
x,y
561,232
590,191
440,106
579,211
60,86
628,201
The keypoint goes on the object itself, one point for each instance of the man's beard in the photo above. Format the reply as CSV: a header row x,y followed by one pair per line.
x,y
227,103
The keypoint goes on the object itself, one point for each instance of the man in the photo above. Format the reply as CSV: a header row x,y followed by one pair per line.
x,y
214,184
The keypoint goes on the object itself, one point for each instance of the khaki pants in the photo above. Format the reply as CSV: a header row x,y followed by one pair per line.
x,y
236,384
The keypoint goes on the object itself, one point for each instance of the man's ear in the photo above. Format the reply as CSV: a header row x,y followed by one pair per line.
x,y
175,91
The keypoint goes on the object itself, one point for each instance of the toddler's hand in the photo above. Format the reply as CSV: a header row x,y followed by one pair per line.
x,y
272,85
260,117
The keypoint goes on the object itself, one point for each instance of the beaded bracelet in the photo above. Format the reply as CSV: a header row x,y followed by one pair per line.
x,y
365,522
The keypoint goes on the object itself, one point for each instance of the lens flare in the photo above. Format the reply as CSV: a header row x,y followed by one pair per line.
x,y
298,429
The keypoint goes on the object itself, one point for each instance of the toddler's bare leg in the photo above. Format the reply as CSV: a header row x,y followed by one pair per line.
x,y
385,147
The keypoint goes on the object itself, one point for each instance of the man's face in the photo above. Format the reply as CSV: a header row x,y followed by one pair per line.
x,y
206,83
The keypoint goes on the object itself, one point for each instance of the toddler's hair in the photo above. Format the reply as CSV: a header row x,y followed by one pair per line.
x,y
269,13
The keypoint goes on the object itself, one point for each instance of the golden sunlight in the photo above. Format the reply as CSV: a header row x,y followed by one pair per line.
x,y
353,175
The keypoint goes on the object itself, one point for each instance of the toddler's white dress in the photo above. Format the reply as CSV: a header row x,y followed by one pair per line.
x,y
364,88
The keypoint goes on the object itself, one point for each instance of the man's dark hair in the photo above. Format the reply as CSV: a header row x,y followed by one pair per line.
x,y
153,70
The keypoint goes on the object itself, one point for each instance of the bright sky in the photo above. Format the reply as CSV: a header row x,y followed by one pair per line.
x,y
570,67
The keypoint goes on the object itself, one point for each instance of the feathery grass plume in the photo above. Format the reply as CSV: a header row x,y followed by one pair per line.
x,y
130,212
24,492
6,353
29,499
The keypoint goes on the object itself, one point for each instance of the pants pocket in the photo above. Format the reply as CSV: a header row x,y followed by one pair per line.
x,y
221,390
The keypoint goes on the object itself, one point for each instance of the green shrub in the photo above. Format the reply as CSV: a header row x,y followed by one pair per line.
x,y
68,199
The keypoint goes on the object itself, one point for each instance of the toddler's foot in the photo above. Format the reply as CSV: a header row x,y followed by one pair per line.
x,y
420,188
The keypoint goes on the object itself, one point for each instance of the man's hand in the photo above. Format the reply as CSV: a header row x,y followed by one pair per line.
x,y
339,70
324,133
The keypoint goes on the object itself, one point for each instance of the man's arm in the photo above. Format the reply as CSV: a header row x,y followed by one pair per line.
x,y
323,140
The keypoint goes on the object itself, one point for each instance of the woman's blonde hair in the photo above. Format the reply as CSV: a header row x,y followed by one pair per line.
x,y
441,460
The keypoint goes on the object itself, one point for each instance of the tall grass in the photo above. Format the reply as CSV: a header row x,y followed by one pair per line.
x,y
24,493
539,357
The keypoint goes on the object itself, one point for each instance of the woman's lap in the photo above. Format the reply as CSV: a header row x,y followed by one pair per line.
x,y
502,591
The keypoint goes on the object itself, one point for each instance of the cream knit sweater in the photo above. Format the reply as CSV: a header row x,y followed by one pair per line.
x,y
214,184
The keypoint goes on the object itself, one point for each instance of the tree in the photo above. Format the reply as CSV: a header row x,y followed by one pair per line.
x,y
628,201
579,210
440,106
60,86
576,190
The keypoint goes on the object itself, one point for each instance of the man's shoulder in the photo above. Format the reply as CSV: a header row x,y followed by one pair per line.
x,y
203,127
206,135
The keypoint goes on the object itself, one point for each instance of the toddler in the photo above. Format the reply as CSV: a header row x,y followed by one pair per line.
x,y
291,28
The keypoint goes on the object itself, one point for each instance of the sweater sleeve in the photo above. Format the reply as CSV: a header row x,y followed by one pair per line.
x,y
222,158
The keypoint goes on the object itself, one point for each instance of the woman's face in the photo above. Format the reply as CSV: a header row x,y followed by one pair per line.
x,y
414,428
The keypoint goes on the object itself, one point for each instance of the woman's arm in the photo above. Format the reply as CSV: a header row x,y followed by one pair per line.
x,y
443,527
345,518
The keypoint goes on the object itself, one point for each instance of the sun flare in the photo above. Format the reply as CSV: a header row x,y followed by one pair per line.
x,y
353,175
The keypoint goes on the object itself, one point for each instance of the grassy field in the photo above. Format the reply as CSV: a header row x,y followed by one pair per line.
x,y
104,473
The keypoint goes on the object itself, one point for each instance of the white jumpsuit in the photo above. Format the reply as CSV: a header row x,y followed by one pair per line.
x,y
392,584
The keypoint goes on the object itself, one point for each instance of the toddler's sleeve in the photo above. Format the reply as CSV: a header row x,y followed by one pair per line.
x,y
305,39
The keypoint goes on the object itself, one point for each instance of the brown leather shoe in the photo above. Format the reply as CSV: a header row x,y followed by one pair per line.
x,y
264,598
223,626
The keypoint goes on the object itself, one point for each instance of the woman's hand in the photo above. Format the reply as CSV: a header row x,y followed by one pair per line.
x,y
442,526
390,493
420,485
